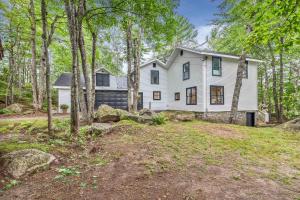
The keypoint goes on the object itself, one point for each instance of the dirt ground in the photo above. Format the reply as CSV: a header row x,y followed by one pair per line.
x,y
132,164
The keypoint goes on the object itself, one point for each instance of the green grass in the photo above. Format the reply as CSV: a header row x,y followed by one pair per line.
x,y
269,148
9,146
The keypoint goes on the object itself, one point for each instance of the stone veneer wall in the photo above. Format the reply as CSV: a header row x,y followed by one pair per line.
x,y
224,116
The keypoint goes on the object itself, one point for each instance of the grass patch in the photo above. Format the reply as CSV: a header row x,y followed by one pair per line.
x,y
6,147
99,161
268,148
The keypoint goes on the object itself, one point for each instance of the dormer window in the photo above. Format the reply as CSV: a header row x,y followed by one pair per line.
x,y
102,80
154,65
216,66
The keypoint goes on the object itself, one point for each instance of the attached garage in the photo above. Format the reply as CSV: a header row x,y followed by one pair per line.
x,y
113,98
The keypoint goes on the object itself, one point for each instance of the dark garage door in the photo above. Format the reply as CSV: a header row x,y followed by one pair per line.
x,y
115,99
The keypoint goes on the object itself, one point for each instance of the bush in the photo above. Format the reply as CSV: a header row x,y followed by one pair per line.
x,y
64,106
5,111
159,119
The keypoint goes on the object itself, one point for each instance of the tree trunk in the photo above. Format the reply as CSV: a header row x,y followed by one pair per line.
x,y
10,86
1,50
33,57
268,100
89,107
71,15
136,64
129,65
274,75
281,83
45,61
94,49
237,88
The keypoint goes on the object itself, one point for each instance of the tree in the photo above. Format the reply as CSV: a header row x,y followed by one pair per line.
x,y
274,29
45,61
33,58
70,8
1,50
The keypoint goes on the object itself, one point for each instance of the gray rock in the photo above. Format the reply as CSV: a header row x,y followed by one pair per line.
x,y
16,108
19,163
185,117
146,112
140,119
293,125
100,129
106,113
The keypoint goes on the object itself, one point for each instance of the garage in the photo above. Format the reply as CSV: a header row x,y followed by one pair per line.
x,y
113,98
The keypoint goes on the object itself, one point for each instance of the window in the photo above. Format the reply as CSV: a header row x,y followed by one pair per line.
x,y
245,72
102,80
216,66
216,95
186,71
191,96
154,77
154,65
177,96
156,95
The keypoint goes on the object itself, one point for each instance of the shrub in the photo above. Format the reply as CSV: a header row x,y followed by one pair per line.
x,y
5,111
159,119
64,106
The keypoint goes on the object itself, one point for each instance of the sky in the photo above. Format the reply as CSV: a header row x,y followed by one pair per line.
x,y
200,13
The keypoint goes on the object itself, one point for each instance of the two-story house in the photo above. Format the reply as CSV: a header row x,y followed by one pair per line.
x,y
191,80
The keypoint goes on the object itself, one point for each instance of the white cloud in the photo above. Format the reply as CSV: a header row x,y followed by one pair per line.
x,y
203,32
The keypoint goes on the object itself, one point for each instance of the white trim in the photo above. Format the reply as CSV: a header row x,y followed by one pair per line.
x,y
153,60
61,87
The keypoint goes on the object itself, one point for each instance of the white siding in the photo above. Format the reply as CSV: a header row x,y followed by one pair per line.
x,y
177,84
248,95
147,88
64,97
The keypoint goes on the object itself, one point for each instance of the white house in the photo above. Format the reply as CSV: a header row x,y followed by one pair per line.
x,y
191,80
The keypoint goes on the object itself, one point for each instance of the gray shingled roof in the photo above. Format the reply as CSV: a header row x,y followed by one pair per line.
x,y
64,80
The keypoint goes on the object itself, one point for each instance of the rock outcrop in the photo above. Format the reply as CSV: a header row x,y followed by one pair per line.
x,y
19,163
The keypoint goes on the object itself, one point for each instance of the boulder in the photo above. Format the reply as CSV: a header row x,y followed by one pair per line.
x,y
100,129
140,119
293,125
185,117
19,163
16,108
106,113
146,112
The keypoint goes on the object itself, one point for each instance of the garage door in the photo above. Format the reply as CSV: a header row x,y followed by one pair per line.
x,y
115,99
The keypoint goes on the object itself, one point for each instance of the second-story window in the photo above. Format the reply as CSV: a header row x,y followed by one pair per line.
x,y
186,71
216,66
155,77
102,80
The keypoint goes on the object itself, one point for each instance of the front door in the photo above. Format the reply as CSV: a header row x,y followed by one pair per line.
x,y
140,102
250,119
